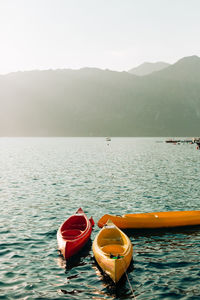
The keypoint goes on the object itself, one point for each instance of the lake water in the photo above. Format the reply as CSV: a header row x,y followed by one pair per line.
x,y
45,180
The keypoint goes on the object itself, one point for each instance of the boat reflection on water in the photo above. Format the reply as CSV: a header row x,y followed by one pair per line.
x,y
73,292
151,232
121,288
108,140
163,246
76,260
61,262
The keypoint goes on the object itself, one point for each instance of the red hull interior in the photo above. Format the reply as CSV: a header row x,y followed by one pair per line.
x,y
73,227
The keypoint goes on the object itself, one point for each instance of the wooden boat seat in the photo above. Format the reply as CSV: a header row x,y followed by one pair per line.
x,y
113,249
70,234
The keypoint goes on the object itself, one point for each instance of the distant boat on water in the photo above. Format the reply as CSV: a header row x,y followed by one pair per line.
x,y
178,141
197,141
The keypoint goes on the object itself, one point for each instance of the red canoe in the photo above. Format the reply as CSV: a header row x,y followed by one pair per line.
x,y
74,233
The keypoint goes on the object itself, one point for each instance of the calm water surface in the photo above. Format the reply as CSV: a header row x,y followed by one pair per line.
x,y
44,180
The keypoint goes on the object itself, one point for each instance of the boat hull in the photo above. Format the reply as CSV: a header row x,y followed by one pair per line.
x,y
112,255
74,233
153,220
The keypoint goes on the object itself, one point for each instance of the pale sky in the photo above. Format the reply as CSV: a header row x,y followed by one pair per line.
x,y
107,34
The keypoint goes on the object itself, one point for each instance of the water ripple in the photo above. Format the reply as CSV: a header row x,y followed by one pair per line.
x,y
43,181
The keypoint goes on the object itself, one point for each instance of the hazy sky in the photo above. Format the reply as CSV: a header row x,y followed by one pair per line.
x,y
113,34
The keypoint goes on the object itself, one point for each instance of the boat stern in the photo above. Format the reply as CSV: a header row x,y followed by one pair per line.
x,y
61,243
91,222
103,220
118,269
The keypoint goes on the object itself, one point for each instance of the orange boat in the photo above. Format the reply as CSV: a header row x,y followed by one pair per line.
x,y
153,219
74,233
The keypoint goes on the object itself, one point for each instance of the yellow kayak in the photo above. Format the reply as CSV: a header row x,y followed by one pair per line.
x,y
113,251
154,219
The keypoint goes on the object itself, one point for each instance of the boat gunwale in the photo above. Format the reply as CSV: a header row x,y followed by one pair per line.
x,y
127,246
79,237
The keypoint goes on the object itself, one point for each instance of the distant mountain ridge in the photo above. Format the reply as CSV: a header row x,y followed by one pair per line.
x,y
187,68
148,68
94,102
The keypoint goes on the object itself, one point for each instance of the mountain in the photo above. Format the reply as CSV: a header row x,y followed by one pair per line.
x,y
187,68
94,102
148,68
